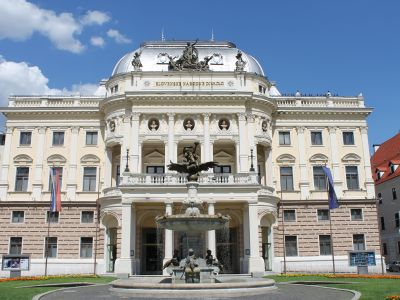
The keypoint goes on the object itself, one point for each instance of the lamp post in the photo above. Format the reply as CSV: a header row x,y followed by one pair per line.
x,y
251,161
127,160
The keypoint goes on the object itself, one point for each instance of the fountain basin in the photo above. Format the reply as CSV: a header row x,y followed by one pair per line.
x,y
201,222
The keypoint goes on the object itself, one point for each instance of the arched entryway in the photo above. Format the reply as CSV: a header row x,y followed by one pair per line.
x,y
110,222
267,252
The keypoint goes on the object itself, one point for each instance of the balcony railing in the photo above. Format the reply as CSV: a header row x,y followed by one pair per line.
x,y
178,179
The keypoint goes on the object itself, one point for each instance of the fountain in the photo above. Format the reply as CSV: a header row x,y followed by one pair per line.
x,y
192,220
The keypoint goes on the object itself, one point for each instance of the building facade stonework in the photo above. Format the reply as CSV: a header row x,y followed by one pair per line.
x,y
113,153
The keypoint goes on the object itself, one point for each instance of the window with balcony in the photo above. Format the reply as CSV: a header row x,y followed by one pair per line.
x,y
348,138
286,179
21,179
316,138
352,178
58,138
25,138
284,138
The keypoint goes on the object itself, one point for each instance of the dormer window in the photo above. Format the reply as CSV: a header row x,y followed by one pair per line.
x,y
379,174
393,168
262,89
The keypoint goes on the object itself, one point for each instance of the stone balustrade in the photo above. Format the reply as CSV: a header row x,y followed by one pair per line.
x,y
54,101
334,102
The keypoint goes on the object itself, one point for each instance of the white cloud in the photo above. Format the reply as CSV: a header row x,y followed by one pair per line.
x,y
19,78
95,17
97,41
20,19
118,37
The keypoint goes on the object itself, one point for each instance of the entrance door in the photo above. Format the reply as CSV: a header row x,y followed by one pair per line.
x,y
266,248
111,249
227,249
152,251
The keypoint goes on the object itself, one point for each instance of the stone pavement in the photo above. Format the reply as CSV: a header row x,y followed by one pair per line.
x,y
283,292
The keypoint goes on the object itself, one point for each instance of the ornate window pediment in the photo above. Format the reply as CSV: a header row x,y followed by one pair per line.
x,y
286,159
223,157
22,159
90,159
319,158
351,158
56,159
154,157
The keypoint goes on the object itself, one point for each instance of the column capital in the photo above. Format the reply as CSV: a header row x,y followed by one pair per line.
x,y
241,116
332,129
9,130
74,129
364,129
135,116
251,118
300,129
206,116
41,129
126,118
171,116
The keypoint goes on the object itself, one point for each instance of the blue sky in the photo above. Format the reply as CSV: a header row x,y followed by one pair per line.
x,y
346,47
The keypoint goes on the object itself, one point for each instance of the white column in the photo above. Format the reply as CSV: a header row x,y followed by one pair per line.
x,y
211,242
125,264
252,143
268,167
256,262
206,144
171,144
108,168
335,162
304,182
369,183
134,144
243,151
169,238
246,240
126,132
73,165
37,184
5,164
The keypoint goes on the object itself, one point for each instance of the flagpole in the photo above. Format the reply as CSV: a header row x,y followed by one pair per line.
x,y
46,251
330,228
97,224
283,235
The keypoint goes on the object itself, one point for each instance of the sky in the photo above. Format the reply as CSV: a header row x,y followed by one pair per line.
x,y
346,47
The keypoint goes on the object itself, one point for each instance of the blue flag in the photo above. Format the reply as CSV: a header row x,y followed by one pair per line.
x,y
333,201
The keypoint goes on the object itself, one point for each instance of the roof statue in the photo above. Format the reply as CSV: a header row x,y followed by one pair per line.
x,y
136,63
240,63
189,60
191,165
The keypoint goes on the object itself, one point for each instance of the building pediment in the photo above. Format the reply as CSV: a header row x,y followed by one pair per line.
x,y
286,159
351,158
90,159
22,159
319,158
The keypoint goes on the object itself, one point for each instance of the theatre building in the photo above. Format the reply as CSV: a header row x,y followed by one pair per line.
x,y
112,153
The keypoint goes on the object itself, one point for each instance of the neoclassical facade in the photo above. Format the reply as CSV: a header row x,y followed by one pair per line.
x,y
113,153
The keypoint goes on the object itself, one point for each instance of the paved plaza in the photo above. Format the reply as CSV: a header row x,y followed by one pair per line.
x,y
283,292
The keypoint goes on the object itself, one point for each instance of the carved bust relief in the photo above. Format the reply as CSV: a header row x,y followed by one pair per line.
x,y
223,124
154,124
112,126
188,124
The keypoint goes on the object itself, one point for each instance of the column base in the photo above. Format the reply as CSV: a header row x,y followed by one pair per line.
x,y
125,266
256,266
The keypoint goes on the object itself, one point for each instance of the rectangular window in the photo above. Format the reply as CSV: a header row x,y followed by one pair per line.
x,y
21,180
87,217
380,198
394,194
284,138
91,138
382,223
51,247
319,179
222,169
325,245
286,179
15,245
89,179
348,138
352,178
52,216
398,247
58,138
118,175
323,214
155,170
385,252
396,219
86,247
53,170
356,214
316,137
25,138
18,216
358,242
291,245
289,215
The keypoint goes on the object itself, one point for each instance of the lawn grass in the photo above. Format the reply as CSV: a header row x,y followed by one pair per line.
x,y
370,288
10,290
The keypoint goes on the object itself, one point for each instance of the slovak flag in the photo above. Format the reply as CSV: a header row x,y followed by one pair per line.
x,y
333,201
55,190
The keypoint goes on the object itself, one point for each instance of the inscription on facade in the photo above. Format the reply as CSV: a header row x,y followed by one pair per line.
x,y
188,83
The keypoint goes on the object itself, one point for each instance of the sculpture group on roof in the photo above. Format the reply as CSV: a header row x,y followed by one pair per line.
x,y
189,60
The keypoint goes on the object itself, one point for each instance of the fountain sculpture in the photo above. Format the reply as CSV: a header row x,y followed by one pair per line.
x,y
192,220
